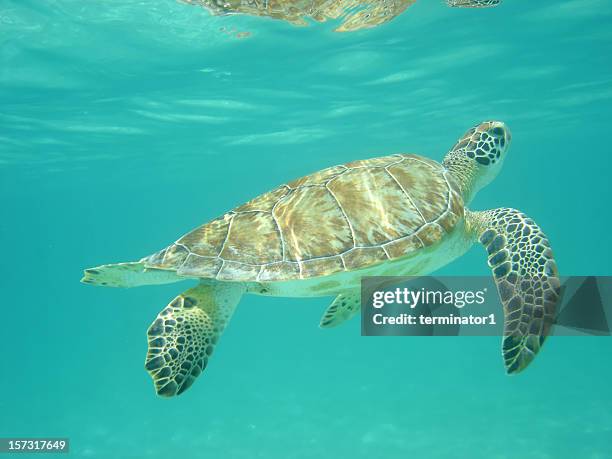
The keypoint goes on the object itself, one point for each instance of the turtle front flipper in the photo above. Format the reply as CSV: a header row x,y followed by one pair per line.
x,y
527,280
343,308
184,335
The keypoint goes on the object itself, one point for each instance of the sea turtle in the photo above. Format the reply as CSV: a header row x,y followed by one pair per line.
x,y
355,14
318,235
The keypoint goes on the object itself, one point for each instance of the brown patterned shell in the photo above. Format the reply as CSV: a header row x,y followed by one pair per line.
x,y
342,218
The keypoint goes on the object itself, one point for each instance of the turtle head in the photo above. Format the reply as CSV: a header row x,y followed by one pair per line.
x,y
477,157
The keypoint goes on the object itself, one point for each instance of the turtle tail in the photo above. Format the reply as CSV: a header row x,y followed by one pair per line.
x,y
127,275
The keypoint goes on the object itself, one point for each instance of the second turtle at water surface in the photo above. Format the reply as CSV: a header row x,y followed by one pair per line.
x,y
397,215
354,14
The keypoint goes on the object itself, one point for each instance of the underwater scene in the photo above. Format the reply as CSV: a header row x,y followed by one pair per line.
x,y
127,124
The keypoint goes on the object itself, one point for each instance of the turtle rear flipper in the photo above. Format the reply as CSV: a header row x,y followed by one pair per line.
x,y
527,281
343,308
184,334
127,275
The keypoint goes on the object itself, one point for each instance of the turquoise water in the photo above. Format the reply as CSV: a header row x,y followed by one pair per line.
x,y
124,124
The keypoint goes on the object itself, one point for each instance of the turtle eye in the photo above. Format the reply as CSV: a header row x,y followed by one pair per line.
x,y
497,132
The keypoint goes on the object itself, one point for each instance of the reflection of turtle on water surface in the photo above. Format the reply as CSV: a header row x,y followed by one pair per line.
x,y
401,215
472,3
355,14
